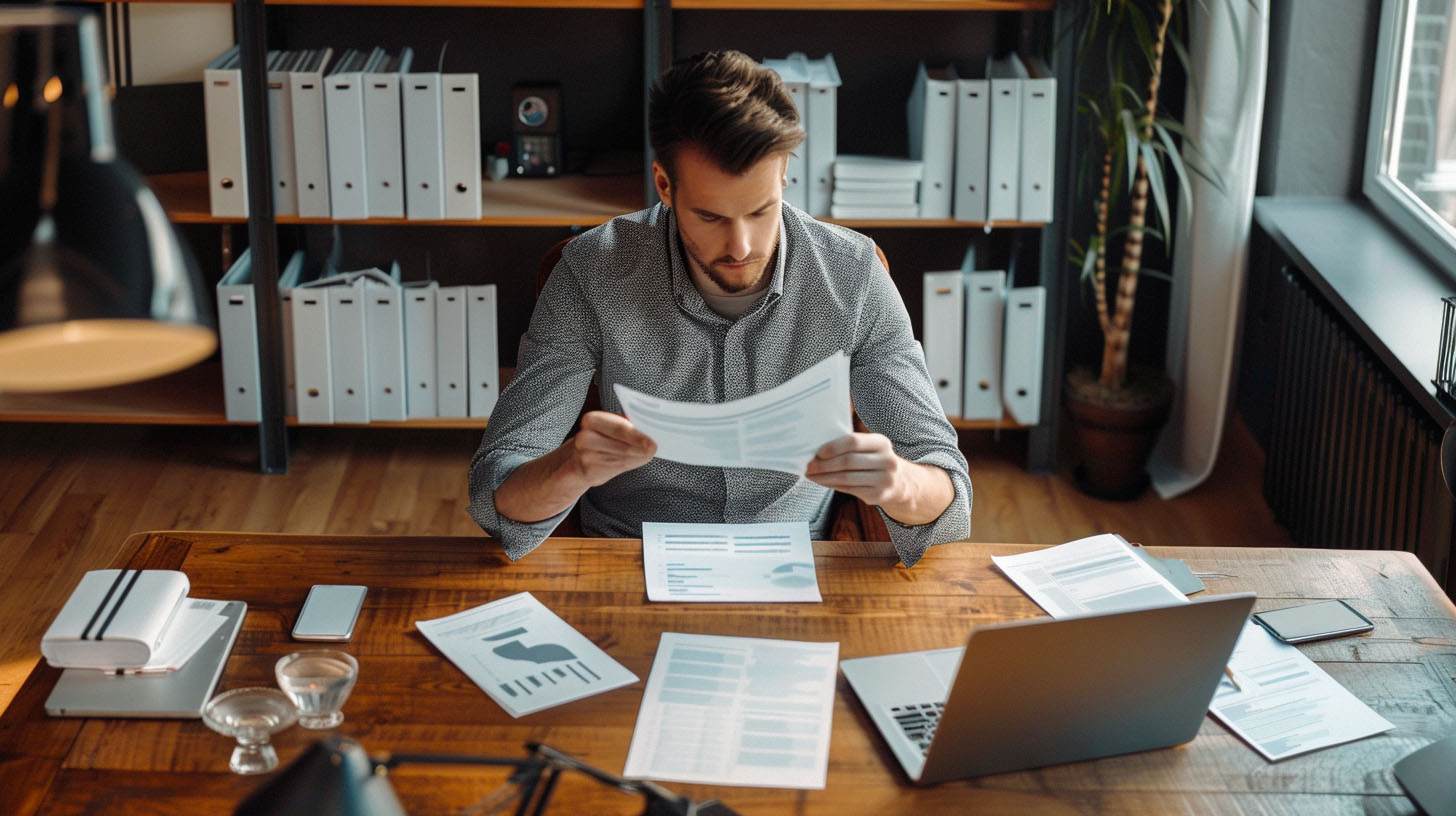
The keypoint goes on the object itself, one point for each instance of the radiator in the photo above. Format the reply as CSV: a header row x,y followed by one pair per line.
x,y
1352,461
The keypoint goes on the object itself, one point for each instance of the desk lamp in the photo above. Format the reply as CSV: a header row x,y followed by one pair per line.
x,y
95,288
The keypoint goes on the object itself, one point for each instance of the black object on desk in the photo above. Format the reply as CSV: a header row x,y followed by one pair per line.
x,y
1428,777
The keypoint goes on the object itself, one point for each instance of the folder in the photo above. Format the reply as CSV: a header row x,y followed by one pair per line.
x,y
237,330
424,156
280,132
931,116
222,110
293,275
1004,148
419,348
973,133
348,342
1022,353
942,316
310,133
312,366
985,316
794,72
1038,141
460,119
452,387
344,111
384,136
384,328
822,145
482,348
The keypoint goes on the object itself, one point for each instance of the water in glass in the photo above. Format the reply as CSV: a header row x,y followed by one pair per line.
x,y
318,681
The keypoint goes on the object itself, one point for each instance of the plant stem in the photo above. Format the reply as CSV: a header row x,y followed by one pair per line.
x,y
1099,276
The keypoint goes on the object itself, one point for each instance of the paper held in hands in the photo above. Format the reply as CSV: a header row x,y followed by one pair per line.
x,y
779,429
523,655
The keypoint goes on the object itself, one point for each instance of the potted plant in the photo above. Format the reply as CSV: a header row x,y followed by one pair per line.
x,y
1134,147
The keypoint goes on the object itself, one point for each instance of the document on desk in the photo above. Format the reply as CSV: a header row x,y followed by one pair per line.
x,y
523,655
194,624
1099,573
729,562
778,429
1285,704
736,711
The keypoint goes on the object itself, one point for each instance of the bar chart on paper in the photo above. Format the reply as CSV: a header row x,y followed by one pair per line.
x,y
729,562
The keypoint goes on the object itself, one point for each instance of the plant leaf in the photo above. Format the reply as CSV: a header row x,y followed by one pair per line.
x,y
1156,184
1185,189
1156,273
1130,137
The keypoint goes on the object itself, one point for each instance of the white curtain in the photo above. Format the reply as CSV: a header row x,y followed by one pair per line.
x,y
1229,51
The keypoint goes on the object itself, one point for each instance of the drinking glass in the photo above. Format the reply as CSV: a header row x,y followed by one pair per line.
x,y
251,715
318,681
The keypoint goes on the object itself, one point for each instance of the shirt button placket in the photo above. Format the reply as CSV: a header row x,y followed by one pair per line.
x,y
735,386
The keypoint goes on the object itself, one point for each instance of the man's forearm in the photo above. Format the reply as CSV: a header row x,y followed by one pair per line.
x,y
928,491
541,488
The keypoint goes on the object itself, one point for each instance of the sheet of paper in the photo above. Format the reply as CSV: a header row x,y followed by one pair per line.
x,y
736,711
779,429
1285,704
1099,573
729,562
523,655
1175,570
191,627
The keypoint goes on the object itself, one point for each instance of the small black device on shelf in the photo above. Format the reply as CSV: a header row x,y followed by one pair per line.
x,y
536,121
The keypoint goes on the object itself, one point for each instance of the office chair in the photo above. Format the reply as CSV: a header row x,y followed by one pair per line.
x,y
850,518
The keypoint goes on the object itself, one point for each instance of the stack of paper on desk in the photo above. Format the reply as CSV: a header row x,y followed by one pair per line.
x,y
729,562
523,655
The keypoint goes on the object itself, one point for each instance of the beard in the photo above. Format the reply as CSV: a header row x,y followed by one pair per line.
x,y
734,286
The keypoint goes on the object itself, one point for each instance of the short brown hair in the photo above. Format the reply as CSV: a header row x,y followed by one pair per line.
x,y
725,104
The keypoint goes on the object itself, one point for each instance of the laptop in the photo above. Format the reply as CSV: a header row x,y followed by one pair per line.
x,y
1030,693
177,694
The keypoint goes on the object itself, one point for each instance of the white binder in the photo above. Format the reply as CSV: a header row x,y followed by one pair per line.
x,y
419,348
237,329
384,328
1022,353
344,111
460,118
312,365
794,72
985,316
291,277
310,133
1038,141
973,133
222,108
424,156
942,318
384,136
280,132
1004,151
348,342
482,348
451,369
931,116
823,146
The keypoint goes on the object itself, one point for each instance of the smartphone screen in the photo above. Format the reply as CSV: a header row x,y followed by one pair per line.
x,y
1323,619
330,612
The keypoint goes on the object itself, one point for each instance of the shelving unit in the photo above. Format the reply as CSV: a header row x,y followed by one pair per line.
x,y
573,201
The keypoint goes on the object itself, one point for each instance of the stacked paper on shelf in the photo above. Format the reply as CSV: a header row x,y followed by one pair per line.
x,y
876,187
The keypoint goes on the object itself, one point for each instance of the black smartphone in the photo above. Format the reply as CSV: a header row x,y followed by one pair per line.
x,y
1322,619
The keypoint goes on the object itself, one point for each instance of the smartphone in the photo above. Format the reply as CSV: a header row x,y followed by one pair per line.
x,y
1322,619
329,612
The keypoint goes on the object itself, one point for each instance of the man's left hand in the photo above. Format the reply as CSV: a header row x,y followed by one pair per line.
x,y
866,466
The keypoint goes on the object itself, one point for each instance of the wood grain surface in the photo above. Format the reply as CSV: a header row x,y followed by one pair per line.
x,y
411,699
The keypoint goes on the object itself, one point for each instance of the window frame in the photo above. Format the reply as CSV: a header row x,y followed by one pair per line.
x,y
1391,198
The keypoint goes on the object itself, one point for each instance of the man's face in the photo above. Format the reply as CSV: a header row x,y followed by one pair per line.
x,y
729,224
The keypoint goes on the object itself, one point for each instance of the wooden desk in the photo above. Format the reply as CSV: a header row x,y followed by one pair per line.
x,y
409,698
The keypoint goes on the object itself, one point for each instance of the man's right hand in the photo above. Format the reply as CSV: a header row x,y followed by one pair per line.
x,y
608,444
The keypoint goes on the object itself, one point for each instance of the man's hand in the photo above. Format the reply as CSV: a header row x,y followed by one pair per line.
x,y
866,466
608,445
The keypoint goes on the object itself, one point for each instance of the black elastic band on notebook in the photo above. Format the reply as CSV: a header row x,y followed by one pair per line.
x,y
119,601
101,607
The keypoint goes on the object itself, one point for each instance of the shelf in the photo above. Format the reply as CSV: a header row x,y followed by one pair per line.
x,y
1005,423
192,396
863,5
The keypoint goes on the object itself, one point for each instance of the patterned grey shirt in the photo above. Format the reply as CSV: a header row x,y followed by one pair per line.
x,y
621,306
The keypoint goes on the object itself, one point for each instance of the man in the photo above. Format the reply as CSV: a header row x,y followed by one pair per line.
x,y
719,292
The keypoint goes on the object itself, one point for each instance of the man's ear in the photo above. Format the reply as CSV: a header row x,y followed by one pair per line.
x,y
662,182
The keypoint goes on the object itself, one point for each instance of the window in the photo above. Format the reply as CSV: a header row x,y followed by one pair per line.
x,y
1410,157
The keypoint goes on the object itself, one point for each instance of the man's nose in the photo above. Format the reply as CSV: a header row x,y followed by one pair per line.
x,y
739,247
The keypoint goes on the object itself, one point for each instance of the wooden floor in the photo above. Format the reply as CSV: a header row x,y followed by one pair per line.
x,y
71,494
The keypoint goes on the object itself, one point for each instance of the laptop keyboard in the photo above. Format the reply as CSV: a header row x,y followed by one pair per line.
x,y
918,721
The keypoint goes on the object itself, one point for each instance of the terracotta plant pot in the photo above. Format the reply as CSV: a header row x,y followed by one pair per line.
x,y
1115,430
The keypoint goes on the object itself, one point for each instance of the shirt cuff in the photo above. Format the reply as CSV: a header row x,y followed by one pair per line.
x,y
516,537
954,523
